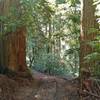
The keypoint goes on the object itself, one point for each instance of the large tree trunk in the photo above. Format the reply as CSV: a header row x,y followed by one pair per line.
x,y
88,21
13,44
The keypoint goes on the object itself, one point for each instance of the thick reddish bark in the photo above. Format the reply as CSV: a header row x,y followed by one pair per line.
x,y
13,53
13,44
21,57
88,21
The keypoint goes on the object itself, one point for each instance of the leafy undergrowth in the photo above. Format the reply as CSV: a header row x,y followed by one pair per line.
x,y
38,87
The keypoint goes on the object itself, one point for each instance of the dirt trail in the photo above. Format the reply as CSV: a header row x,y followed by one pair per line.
x,y
41,87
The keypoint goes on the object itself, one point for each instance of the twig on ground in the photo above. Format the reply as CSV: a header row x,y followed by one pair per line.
x,y
92,94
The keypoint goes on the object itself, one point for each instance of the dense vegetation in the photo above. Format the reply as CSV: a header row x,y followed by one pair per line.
x,y
50,49
53,35
54,48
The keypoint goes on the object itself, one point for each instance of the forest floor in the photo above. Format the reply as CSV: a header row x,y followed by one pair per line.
x,y
38,87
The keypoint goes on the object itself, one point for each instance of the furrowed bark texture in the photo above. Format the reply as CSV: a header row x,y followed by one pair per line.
x,y
12,44
88,21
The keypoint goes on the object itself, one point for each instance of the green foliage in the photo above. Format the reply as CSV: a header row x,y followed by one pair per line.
x,y
92,30
72,60
95,55
96,2
29,14
60,1
51,64
73,3
64,26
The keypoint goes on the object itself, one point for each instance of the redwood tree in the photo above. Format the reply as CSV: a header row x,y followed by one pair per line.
x,y
12,44
88,22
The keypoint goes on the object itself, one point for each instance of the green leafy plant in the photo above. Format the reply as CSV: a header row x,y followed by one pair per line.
x,y
95,55
51,64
